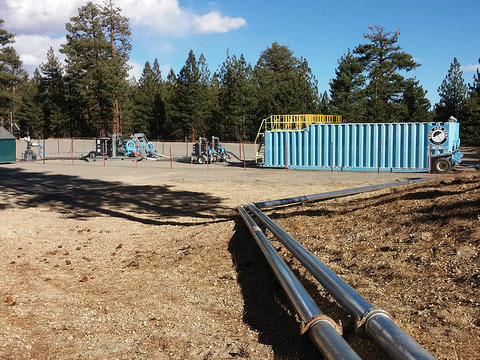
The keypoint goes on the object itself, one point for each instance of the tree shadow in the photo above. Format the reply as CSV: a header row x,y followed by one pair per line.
x,y
81,198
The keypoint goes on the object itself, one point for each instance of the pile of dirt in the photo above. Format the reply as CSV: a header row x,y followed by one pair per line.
x,y
413,251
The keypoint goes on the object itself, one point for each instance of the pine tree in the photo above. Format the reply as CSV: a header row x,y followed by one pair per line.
x,y
149,112
30,113
187,99
96,71
382,59
325,104
306,89
237,99
414,106
453,94
470,119
52,90
12,75
206,102
347,89
285,83
171,109
117,29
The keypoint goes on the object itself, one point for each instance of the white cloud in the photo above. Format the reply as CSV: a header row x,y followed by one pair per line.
x,y
41,24
465,68
34,17
214,22
136,69
33,49
166,17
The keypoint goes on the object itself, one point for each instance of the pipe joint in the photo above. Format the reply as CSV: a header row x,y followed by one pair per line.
x,y
360,322
318,318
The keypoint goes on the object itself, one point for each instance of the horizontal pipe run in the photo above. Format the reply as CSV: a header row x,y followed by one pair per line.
x,y
322,332
378,325
334,194
348,298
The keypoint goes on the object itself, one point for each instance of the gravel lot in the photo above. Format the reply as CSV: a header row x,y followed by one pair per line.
x,y
140,261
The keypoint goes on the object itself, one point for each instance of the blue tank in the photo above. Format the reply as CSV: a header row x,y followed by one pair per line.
x,y
392,147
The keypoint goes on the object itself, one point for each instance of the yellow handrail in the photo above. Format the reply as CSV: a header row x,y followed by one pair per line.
x,y
290,122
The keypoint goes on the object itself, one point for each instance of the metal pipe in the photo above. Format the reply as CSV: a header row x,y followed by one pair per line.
x,y
377,323
321,329
334,194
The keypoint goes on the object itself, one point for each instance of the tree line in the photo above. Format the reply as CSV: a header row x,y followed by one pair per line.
x,y
91,94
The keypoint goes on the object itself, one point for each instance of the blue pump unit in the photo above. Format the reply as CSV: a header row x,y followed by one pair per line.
x,y
391,147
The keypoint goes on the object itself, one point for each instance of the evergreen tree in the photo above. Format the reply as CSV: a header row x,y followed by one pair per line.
x,y
453,94
306,88
30,112
325,104
470,120
285,83
206,99
117,29
12,75
149,109
96,70
171,109
187,100
237,99
414,106
52,90
383,60
347,89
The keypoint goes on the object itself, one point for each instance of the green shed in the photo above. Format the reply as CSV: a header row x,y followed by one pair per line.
x,y
8,150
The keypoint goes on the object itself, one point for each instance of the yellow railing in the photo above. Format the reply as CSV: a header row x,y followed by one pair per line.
x,y
290,122
298,122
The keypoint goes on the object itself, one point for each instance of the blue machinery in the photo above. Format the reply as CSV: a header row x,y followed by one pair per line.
x,y
323,331
203,151
392,147
115,147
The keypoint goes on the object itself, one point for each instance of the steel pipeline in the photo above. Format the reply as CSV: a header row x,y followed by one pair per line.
x,y
321,329
376,322
334,194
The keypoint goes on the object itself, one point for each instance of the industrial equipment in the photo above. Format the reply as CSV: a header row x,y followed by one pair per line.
x,y
391,147
204,151
115,147
29,155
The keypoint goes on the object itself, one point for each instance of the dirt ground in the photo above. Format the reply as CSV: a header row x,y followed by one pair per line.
x,y
148,262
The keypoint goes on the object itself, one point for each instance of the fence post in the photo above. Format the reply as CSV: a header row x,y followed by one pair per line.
x,y
379,154
331,156
244,161
430,160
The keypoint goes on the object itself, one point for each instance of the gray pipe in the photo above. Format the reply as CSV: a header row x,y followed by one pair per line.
x,y
322,332
397,344
334,194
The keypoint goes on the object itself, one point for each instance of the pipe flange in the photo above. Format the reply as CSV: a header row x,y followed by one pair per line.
x,y
317,318
360,322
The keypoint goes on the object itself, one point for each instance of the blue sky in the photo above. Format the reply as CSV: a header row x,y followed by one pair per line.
x,y
434,32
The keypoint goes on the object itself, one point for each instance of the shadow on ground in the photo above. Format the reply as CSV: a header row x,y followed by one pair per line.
x,y
82,198
268,311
